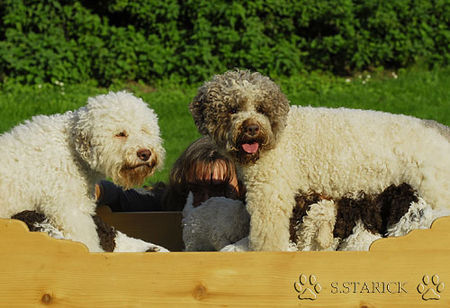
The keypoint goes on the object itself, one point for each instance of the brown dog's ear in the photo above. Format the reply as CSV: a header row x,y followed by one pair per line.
x,y
197,108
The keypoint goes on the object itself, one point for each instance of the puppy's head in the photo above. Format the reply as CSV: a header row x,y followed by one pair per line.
x,y
243,112
118,136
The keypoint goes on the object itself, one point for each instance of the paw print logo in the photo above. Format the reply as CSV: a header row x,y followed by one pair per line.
x,y
307,287
430,288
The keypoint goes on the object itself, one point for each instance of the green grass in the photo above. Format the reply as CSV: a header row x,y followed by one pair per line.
x,y
421,93
424,94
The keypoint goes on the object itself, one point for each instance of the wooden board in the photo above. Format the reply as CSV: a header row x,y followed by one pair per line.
x,y
410,271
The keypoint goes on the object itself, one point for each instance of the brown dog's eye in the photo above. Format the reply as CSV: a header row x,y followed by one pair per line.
x,y
260,109
233,110
122,134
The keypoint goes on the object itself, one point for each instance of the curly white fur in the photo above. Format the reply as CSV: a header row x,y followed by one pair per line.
x,y
337,151
360,239
51,163
333,152
214,224
316,230
319,222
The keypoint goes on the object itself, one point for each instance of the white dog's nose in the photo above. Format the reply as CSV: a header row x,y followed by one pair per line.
x,y
144,154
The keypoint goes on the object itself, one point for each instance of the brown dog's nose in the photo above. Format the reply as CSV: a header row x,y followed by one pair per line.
x,y
144,154
252,129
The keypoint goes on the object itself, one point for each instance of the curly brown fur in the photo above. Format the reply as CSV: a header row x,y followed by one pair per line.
x,y
371,214
30,218
302,205
394,202
348,213
377,212
106,234
238,108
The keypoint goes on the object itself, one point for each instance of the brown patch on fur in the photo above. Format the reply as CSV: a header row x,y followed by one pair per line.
x,y
347,214
377,212
350,210
302,205
370,213
30,218
395,202
106,234
152,249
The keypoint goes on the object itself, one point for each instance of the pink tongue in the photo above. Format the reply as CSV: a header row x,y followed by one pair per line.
x,y
250,148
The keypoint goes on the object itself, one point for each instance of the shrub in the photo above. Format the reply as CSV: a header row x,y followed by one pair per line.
x,y
149,40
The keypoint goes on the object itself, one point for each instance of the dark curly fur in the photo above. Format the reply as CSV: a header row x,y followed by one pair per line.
x,y
302,205
106,234
30,218
377,212
225,105
394,202
350,210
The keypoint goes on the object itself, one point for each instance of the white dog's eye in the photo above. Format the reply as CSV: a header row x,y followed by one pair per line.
x,y
122,134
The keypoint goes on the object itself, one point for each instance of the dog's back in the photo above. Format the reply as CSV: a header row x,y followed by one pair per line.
x,y
31,153
441,128
346,150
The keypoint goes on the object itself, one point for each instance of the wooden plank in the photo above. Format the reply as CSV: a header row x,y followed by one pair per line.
x,y
36,269
417,239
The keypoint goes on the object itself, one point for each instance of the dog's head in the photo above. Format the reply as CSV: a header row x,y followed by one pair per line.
x,y
243,112
117,135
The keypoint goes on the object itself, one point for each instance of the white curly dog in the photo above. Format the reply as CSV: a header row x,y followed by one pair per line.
x,y
281,150
51,163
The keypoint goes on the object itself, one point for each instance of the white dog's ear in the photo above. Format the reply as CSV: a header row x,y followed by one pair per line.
x,y
80,134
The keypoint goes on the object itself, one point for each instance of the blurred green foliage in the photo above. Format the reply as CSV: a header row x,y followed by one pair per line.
x,y
107,41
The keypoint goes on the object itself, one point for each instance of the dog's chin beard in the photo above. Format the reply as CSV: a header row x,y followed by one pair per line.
x,y
245,158
135,175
